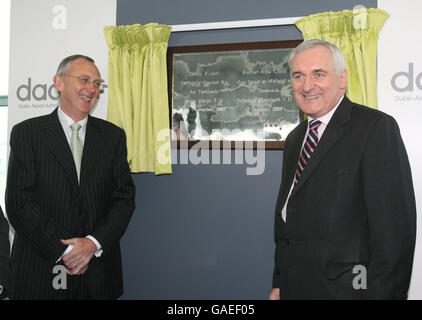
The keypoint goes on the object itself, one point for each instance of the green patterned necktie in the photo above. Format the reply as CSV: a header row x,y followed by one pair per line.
x,y
76,147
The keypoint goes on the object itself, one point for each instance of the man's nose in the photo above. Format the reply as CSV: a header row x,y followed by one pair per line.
x,y
308,84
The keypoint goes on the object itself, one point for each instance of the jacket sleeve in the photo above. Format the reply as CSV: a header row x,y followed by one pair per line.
x,y
113,224
4,251
30,223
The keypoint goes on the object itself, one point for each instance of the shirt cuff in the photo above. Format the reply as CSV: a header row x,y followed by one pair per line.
x,y
68,249
99,251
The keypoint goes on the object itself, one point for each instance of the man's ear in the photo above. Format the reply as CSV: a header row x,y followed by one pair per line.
x,y
58,83
344,76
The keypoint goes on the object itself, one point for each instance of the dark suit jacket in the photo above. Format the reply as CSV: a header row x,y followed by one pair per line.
x,y
4,252
45,204
353,206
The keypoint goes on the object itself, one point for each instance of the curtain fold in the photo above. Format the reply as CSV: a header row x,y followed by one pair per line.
x,y
137,93
355,32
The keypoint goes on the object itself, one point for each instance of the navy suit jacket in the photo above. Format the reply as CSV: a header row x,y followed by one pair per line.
x,y
45,203
351,220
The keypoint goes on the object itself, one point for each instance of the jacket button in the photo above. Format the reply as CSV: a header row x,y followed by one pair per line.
x,y
288,241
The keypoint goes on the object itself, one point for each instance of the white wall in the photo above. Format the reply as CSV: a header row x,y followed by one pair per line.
x,y
4,80
4,52
400,95
42,34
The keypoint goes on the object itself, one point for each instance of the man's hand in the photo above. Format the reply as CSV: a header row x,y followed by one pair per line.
x,y
274,294
77,260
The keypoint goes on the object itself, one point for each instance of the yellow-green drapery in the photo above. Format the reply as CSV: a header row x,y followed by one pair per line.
x,y
137,93
355,32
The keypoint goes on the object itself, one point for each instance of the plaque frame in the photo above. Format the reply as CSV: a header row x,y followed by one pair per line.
x,y
214,144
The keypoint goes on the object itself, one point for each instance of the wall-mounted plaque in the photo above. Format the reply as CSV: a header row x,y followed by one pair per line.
x,y
232,92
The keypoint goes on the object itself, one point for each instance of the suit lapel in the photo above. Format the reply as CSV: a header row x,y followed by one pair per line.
x,y
292,157
94,141
331,134
55,139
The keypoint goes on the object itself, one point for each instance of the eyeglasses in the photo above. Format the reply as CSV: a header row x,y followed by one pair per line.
x,y
85,81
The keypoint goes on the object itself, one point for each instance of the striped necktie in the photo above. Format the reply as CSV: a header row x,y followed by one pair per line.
x,y
308,148
76,147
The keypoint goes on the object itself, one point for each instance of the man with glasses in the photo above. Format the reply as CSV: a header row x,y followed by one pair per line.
x,y
69,195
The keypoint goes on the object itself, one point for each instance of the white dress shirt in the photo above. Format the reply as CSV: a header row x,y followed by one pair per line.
x,y
325,119
66,122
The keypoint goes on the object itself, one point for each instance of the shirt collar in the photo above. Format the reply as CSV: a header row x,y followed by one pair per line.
x,y
67,121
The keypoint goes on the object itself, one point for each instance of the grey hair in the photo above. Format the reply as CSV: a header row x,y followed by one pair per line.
x,y
338,58
66,62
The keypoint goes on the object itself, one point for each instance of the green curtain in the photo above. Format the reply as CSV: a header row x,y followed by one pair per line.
x,y
355,32
137,93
